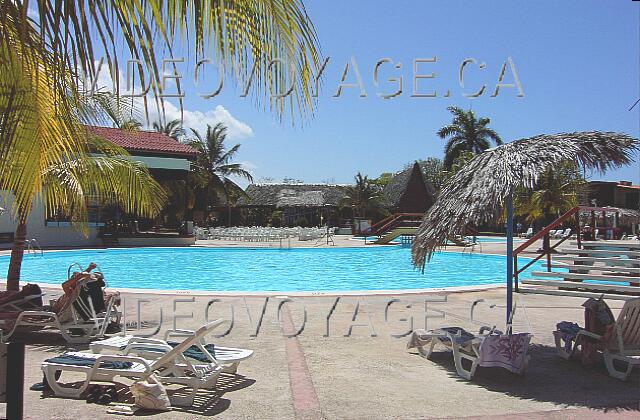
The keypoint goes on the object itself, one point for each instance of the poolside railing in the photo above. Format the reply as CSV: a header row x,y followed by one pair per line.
x,y
391,222
546,249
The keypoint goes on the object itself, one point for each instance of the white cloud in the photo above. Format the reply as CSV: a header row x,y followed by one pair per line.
x,y
197,120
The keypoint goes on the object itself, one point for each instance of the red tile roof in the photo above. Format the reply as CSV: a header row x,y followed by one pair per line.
x,y
143,141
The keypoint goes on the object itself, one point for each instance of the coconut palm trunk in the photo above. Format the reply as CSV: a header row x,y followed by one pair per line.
x,y
17,254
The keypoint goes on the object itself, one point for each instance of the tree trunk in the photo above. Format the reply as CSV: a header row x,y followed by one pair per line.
x,y
17,252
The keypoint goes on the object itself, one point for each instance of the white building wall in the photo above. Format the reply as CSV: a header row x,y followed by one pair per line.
x,y
54,235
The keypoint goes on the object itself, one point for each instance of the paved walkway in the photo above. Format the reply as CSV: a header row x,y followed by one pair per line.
x,y
338,367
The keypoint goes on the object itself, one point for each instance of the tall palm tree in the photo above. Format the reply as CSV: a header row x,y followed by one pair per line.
x,y
49,158
172,128
44,46
466,133
364,197
213,165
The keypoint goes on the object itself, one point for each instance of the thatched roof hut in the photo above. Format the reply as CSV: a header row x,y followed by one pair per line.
x,y
409,192
478,192
292,195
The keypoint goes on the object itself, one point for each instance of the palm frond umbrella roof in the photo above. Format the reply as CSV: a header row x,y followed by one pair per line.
x,y
478,191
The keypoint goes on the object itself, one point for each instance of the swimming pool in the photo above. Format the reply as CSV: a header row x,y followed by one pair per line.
x,y
252,270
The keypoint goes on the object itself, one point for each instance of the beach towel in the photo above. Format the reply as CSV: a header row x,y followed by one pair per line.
x,y
505,351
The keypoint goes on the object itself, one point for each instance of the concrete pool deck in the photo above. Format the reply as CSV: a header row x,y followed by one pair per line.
x,y
327,372
363,376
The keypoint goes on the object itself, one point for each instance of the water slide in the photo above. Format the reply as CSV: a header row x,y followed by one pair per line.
x,y
393,234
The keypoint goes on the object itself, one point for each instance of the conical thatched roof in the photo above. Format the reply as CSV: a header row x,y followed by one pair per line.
x,y
477,193
398,185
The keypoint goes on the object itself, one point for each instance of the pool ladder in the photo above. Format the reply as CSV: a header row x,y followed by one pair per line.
x,y
33,247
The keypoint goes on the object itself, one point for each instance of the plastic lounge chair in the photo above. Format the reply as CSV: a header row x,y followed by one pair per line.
x,y
29,297
528,233
487,348
73,314
73,329
227,357
620,342
171,368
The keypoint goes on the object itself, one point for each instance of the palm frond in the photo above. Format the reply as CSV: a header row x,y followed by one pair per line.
x,y
239,34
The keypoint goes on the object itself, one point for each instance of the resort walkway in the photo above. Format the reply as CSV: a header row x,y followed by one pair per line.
x,y
345,364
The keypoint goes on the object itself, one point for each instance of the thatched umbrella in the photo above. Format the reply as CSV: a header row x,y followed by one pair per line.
x,y
481,190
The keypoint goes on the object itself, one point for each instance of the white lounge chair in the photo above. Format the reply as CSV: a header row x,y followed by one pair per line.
x,y
227,357
72,327
480,350
562,234
171,368
528,233
623,346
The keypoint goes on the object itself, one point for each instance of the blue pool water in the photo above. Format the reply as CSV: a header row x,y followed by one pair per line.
x,y
242,269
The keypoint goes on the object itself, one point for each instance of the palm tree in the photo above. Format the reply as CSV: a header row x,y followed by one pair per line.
x,y
213,166
364,197
49,157
41,55
466,133
172,128
238,34
556,193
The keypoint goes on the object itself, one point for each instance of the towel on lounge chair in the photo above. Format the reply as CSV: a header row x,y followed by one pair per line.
x,y
195,353
505,351
192,352
73,360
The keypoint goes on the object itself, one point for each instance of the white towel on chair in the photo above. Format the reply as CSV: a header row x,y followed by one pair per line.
x,y
506,351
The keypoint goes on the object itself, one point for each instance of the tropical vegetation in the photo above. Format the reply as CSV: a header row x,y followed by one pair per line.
x,y
556,192
41,168
213,169
171,128
46,47
364,197
466,133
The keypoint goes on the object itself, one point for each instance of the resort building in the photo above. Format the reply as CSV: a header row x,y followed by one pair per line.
x,y
621,194
620,199
167,160
301,204
409,192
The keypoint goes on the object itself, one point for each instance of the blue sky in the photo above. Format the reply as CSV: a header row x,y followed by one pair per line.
x,y
577,62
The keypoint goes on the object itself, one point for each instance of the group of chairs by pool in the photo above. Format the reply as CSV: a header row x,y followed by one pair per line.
x,y
262,234
86,313
616,340
555,234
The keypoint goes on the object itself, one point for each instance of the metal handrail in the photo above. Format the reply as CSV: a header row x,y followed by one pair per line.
x,y
33,247
547,249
